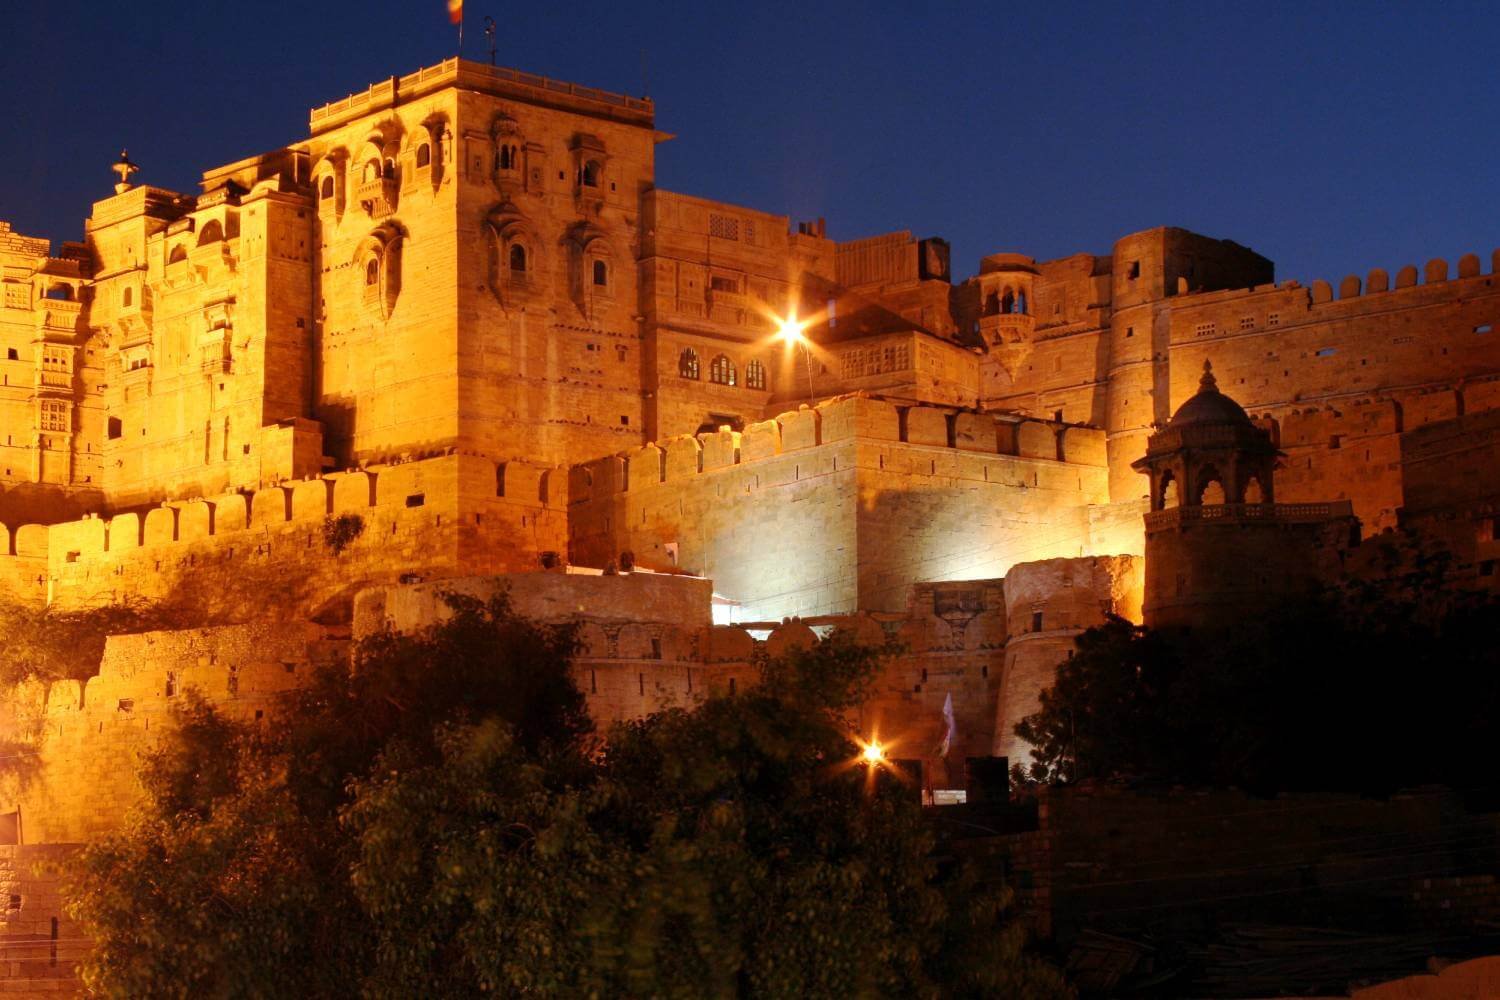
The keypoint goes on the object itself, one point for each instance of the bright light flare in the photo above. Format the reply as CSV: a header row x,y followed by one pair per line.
x,y
790,330
873,753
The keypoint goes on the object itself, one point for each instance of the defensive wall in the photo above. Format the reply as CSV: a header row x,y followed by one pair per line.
x,y
845,505
647,641
1344,370
243,554
1453,491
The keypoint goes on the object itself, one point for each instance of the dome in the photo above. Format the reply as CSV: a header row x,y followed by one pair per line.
x,y
1209,405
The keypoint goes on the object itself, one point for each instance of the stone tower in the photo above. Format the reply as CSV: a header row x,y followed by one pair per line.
x,y
1217,543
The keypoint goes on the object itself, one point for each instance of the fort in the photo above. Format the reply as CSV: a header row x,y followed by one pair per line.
x,y
457,337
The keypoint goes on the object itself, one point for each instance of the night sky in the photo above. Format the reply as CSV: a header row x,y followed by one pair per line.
x,y
1331,137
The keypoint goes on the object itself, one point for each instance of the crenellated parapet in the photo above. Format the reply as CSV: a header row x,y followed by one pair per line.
x,y
842,506
435,514
830,423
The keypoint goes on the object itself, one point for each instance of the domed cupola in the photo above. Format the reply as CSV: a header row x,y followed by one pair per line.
x,y
1210,452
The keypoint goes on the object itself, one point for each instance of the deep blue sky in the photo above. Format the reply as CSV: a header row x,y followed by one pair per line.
x,y
1331,137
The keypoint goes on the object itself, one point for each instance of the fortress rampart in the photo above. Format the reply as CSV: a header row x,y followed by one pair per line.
x,y
242,554
647,641
1343,376
844,505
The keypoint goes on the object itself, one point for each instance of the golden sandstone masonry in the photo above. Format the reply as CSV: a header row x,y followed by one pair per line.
x,y
460,319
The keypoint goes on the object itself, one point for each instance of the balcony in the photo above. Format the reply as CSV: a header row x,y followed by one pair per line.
x,y
1241,513
1006,328
378,195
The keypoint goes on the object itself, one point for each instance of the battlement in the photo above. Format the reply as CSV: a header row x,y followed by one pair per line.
x,y
416,515
843,418
1377,281
479,76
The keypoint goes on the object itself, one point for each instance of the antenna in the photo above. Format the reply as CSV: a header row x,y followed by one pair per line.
x,y
489,32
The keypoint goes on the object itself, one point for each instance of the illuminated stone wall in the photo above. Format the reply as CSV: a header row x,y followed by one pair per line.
x,y
844,506
235,555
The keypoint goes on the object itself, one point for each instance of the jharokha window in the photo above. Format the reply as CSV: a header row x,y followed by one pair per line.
x,y
687,364
755,375
518,258
721,371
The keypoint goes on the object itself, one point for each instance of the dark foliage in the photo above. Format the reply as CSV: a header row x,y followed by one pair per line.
x,y
1389,681
340,532
438,822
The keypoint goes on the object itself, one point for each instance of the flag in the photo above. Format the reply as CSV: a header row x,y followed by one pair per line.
x,y
456,11
952,731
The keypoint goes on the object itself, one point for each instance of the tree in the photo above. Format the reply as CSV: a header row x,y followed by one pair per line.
x,y
1389,680
732,849
232,877
439,821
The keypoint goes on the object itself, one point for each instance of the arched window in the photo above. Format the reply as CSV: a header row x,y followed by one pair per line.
x,y
589,175
126,298
179,252
1021,303
508,158
1253,492
424,155
687,363
211,232
372,271
1210,487
1168,498
992,304
372,170
755,375
601,274
518,258
325,190
721,371
1008,302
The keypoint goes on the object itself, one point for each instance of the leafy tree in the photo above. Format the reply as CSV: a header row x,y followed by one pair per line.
x,y
1388,680
734,849
48,644
438,821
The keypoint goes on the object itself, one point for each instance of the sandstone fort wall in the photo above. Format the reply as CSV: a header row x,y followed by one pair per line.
x,y
843,506
265,553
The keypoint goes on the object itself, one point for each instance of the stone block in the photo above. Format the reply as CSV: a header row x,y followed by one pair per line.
x,y
1035,439
270,506
975,432
353,492
195,520
645,467
311,500
760,440
799,429
31,541
124,532
1083,446
231,513
928,426
720,449
684,457
160,527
